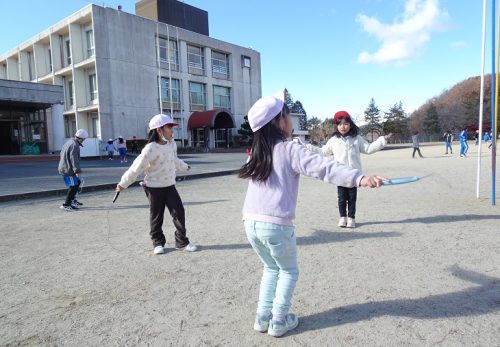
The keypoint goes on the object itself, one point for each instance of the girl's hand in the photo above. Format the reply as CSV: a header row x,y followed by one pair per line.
x,y
388,136
119,188
189,167
372,181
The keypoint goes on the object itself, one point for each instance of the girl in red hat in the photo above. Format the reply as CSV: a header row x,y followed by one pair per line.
x,y
345,146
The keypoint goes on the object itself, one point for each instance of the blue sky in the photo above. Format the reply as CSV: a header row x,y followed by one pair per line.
x,y
330,55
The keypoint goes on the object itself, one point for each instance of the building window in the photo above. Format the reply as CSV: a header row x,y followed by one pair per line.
x,y
169,53
90,42
71,93
93,88
245,61
69,125
196,96
50,60
170,93
222,97
220,65
68,52
31,72
196,65
94,130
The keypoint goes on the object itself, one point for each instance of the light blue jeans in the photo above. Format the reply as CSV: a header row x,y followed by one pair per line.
x,y
276,246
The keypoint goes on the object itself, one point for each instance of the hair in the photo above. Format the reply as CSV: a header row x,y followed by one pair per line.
x,y
153,136
120,140
353,131
260,164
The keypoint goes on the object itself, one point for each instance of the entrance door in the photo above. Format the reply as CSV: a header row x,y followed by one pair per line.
x,y
9,137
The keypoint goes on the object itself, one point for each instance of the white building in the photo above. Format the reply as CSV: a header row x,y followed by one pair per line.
x,y
118,70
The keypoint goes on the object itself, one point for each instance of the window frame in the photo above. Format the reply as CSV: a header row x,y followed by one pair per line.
x,y
219,96
197,106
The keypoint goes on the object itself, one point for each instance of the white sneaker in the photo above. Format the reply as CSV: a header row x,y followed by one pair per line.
x,y
189,248
351,223
278,329
159,250
261,325
342,222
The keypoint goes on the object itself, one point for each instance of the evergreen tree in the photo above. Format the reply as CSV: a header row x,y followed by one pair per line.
x,y
431,121
299,109
245,129
288,99
396,122
372,119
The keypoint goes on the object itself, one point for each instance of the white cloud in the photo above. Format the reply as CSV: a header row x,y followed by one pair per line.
x,y
406,37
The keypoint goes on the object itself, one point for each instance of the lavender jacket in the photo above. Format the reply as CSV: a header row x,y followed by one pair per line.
x,y
274,200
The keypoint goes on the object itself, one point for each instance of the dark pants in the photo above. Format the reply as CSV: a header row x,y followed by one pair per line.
x,y
416,149
158,199
347,201
70,195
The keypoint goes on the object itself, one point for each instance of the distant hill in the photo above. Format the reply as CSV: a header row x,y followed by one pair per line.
x,y
458,106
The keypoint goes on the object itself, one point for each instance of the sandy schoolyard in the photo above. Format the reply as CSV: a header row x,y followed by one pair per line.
x,y
421,269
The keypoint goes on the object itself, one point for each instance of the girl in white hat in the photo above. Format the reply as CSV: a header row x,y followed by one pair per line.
x,y
273,170
159,161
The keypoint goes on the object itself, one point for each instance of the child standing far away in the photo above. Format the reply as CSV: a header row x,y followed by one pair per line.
x,y
122,149
345,146
158,160
464,146
273,170
110,149
448,138
416,145
69,168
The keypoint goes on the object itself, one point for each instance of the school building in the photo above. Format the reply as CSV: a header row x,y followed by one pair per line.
x,y
118,69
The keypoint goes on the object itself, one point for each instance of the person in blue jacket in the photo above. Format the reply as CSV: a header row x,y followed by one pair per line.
x,y
464,147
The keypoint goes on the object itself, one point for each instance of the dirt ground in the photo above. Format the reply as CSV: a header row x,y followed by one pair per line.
x,y
421,268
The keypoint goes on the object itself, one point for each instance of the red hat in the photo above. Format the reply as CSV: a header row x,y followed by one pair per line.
x,y
341,114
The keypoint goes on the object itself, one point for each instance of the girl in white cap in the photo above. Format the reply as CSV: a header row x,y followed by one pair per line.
x,y
158,160
273,170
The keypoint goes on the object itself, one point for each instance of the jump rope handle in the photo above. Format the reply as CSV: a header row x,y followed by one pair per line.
x,y
116,196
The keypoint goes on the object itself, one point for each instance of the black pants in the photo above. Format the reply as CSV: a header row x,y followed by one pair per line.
x,y
70,195
416,149
158,199
347,201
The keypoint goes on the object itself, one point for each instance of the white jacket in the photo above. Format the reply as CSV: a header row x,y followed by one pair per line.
x,y
346,150
158,162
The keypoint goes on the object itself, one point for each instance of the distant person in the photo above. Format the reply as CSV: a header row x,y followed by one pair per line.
x,y
110,149
69,168
159,161
122,149
464,146
491,139
135,145
273,170
448,139
416,145
476,137
346,146
486,137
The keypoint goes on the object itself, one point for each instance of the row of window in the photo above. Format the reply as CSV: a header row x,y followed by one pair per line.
x,y
171,95
168,52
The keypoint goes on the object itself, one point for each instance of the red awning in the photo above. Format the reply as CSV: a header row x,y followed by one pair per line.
x,y
218,119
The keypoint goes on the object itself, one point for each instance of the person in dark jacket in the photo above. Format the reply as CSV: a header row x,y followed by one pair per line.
x,y
69,168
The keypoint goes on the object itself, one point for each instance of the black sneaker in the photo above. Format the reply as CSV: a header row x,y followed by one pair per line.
x,y
66,208
76,203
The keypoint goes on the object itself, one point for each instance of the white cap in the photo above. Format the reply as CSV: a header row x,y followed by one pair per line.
x,y
110,140
82,133
160,120
265,109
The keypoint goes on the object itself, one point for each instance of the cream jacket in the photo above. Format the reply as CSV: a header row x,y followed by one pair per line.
x,y
347,150
158,162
